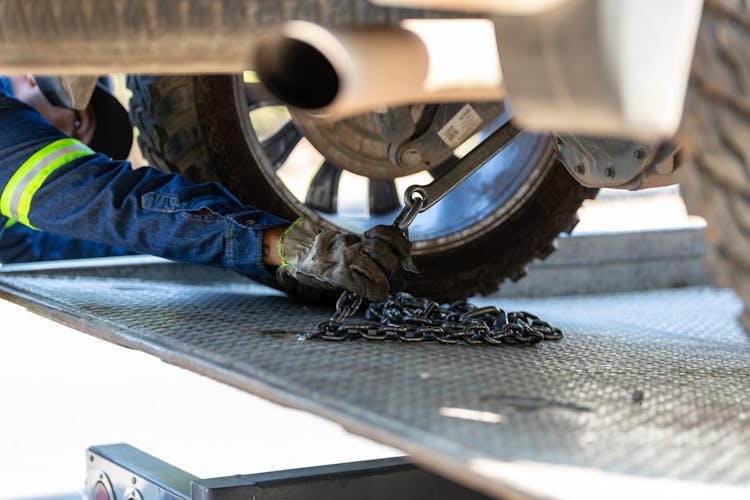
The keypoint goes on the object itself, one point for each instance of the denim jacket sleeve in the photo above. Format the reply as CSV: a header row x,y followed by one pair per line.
x,y
94,198
23,244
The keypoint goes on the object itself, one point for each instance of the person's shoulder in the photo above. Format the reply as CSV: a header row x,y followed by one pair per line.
x,y
8,100
19,122
6,89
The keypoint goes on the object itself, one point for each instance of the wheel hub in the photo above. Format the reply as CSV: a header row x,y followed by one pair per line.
x,y
397,141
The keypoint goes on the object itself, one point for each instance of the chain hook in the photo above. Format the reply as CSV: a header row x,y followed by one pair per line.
x,y
414,199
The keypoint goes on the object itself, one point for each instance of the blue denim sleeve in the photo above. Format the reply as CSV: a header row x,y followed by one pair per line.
x,y
100,200
22,244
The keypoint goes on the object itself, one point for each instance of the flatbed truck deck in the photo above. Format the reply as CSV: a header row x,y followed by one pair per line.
x,y
647,392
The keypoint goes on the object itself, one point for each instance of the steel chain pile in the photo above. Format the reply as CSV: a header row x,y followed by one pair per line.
x,y
416,319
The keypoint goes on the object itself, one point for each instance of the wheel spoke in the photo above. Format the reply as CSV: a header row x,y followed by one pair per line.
x,y
323,191
258,96
383,196
279,146
439,170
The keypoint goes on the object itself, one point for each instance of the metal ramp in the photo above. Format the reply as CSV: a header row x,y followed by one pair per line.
x,y
648,393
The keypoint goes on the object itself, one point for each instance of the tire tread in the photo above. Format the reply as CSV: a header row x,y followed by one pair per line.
x,y
716,129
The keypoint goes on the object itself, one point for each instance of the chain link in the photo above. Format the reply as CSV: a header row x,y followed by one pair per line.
x,y
416,319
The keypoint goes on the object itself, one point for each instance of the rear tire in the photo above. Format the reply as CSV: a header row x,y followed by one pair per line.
x,y
190,125
716,132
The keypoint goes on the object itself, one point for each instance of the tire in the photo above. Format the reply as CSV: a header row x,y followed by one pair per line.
x,y
716,131
190,125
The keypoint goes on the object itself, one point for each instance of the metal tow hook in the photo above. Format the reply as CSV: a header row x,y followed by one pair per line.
x,y
412,208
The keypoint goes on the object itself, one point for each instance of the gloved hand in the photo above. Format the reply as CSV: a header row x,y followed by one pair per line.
x,y
325,258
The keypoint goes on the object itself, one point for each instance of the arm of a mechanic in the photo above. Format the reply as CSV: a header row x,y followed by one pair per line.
x,y
19,243
51,182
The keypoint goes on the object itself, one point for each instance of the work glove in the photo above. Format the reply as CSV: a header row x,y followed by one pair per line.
x,y
322,257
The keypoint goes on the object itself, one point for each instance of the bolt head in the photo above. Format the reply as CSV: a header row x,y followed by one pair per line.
x,y
580,169
410,158
610,172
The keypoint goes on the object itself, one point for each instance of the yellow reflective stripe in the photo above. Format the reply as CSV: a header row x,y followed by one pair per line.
x,y
15,202
23,171
10,223
36,182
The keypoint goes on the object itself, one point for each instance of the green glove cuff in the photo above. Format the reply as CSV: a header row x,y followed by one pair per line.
x,y
279,247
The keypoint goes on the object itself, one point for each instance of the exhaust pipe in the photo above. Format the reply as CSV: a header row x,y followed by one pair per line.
x,y
340,73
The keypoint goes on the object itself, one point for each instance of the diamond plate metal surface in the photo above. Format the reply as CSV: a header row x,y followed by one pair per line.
x,y
647,385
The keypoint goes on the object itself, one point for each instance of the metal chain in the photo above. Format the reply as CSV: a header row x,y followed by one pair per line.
x,y
416,319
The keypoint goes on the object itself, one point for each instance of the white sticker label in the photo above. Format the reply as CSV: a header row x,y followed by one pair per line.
x,y
460,127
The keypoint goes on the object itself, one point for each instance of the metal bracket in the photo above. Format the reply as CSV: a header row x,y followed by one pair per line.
x,y
612,163
136,475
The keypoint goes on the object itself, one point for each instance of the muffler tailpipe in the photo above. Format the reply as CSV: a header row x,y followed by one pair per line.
x,y
340,73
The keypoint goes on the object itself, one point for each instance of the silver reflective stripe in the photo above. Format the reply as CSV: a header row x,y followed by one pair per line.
x,y
23,184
